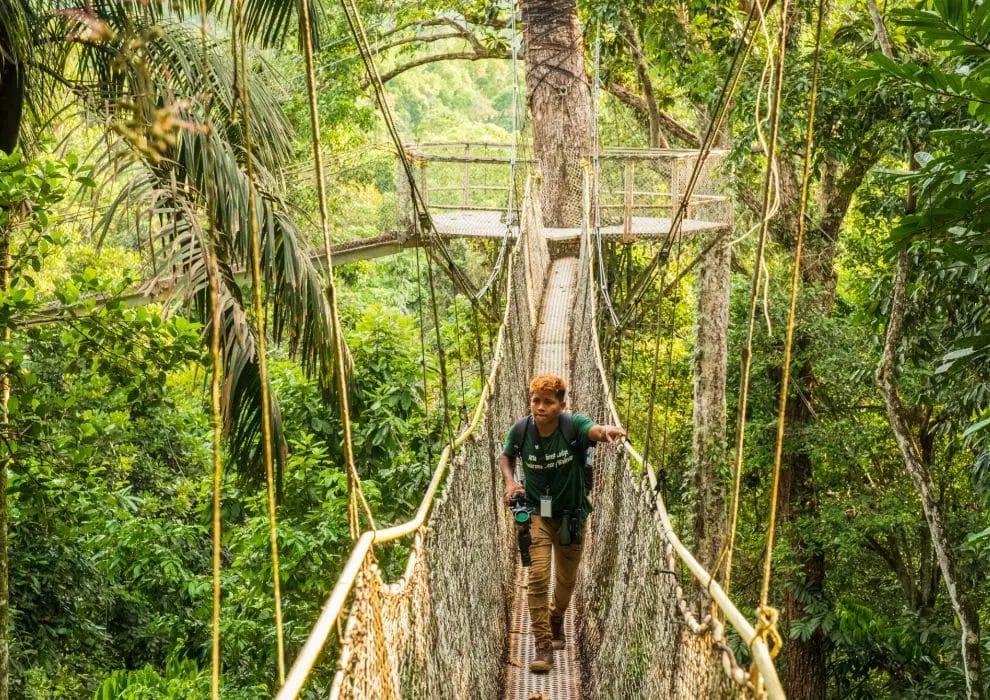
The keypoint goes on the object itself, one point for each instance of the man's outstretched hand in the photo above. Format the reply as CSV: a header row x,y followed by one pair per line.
x,y
511,490
607,433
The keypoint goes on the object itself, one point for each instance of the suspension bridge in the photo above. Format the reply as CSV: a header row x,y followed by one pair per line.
x,y
455,624
647,619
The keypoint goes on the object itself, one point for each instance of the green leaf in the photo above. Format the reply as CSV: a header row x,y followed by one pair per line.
x,y
977,427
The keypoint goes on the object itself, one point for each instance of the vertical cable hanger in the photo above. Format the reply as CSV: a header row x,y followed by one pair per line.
x,y
216,416
792,312
240,65
441,354
355,493
767,616
512,209
422,350
423,220
730,85
596,149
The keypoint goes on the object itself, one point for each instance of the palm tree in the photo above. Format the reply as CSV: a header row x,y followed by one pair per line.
x,y
144,75
143,72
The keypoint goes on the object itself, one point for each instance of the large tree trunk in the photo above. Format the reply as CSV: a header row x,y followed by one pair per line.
x,y
969,622
708,444
11,94
559,104
708,447
806,658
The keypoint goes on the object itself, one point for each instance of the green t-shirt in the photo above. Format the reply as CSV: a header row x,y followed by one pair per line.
x,y
552,470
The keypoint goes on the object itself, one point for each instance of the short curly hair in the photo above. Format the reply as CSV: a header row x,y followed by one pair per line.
x,y
549,382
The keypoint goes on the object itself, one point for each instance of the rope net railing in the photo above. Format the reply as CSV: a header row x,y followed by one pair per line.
x,y
640,636
440,630
471,189
649,183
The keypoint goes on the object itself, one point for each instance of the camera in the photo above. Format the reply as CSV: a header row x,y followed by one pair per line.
x,y
570,528
521,517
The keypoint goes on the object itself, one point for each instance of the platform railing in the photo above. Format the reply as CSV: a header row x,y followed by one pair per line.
x,y
486,177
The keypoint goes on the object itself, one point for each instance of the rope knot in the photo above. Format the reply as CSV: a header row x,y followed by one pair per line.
x,y
766,629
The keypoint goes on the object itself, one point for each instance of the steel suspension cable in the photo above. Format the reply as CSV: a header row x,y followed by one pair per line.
x,y
653,386
675,301
671,328
240,62
614,364
629,377
462,412
441,353
596,169
792,309
479,349
512,210
354,490
747,352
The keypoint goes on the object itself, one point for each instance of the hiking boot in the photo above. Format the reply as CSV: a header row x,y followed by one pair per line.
x,y
557,630
544,658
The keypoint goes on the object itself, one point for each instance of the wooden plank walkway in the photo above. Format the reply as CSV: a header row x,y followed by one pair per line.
x,y
564,681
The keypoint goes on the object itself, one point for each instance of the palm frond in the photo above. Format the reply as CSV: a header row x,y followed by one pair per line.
x,y
241,389
300,313
266,22
178,55
155,101
171,184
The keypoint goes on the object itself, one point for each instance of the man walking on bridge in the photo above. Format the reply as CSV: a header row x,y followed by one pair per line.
x,y
552,445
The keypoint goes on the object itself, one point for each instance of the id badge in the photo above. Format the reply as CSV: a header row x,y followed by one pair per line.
x,y
546,507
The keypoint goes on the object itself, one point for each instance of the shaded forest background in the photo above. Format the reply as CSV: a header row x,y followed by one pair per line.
x,y
107,431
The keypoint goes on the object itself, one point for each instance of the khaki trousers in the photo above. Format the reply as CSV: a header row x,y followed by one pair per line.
x,y
545,534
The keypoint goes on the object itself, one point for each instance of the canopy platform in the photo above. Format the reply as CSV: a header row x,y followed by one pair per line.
x,y
473,190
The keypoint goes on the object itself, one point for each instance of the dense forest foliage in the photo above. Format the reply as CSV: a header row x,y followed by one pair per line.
x,y
130,146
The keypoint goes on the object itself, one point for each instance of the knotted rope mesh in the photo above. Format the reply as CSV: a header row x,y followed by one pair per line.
x,y
441,630
639,637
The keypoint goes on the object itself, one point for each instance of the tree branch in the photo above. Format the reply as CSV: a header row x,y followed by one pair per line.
x,y
638,103
883,38
631,33
891,554
920,474
424,38
466,33
419,24
436,58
